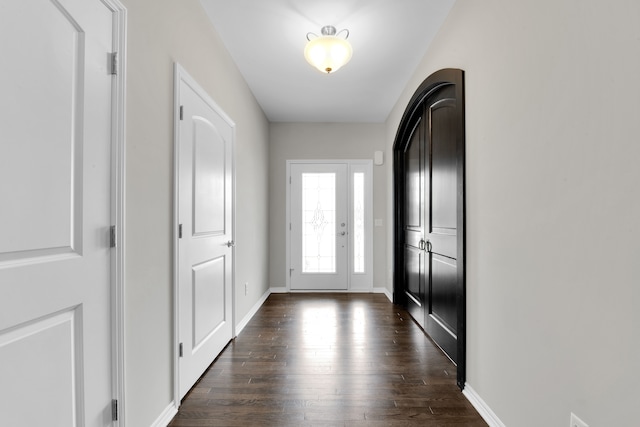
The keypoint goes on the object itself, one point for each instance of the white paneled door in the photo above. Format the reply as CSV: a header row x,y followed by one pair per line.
x,y
205,230
55,174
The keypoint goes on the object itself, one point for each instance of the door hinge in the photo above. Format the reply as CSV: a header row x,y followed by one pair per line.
x,y
291,271
112,236
113,63
179,231
289,180
182,112
180,351
289,226
114,410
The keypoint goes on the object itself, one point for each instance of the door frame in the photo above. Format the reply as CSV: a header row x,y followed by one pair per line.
x,y
367,165
435,81
180,74
118,181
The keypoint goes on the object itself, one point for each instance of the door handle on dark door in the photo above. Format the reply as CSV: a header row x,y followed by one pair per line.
x,y
425,245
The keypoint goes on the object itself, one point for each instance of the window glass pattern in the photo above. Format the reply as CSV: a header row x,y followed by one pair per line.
x,y
318,222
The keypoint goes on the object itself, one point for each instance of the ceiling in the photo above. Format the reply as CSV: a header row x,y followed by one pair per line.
x,y
266,39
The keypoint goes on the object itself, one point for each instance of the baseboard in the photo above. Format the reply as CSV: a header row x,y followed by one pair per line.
x,y
240,326
383,291
166,416
481,406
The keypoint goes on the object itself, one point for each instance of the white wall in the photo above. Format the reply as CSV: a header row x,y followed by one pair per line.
x,y
301,141
553,204
159,33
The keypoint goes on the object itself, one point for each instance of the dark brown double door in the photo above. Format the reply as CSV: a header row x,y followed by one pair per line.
x,y
430,217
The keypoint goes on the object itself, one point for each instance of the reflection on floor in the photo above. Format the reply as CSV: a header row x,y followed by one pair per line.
x,y
329,360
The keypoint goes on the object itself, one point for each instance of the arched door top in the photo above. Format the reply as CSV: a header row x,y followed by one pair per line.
x,y
440,78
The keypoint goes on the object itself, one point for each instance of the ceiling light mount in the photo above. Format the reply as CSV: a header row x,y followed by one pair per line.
x,y
329,51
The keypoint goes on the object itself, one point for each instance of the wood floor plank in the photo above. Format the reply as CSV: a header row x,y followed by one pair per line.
x,y
329,360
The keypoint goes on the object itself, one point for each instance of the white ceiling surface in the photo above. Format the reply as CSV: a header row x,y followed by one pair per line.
x,y
266,39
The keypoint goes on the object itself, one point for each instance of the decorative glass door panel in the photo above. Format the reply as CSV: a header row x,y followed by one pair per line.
x,y
318,223
319,229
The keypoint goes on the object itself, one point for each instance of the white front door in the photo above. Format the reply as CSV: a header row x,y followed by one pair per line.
x,y
205,244
55,154
319,227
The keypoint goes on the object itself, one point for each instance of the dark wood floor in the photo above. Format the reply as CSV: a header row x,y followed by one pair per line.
x,y
329,360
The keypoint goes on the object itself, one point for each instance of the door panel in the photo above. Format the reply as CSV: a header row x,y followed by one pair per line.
x,y
319,227
414,224
415,283
208,178
414,181
441,320
22,369
209,311
54,144
442,313
443,163
205,253
55,275
443,301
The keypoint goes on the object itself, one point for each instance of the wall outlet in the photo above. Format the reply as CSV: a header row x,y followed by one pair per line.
x,y
577,422
246,288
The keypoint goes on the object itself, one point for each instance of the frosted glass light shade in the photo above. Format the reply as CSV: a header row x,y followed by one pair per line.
x,y
328,53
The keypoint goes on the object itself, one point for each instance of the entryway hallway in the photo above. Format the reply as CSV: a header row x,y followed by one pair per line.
x,y
329,360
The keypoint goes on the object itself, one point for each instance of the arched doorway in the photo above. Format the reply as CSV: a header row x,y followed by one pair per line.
x,y
429,212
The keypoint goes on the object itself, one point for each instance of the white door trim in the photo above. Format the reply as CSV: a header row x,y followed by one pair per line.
x,y
180,74
362,165
118,179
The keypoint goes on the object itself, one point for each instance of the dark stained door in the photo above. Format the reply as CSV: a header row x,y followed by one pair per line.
x,y
441,220
429,278
414,223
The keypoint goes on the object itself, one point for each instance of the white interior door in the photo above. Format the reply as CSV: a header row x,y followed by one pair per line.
x,y
205,216
55,335
319,227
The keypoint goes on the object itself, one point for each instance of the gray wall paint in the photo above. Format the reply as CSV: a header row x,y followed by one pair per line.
x,y
159,33
302,141
552,197
552,104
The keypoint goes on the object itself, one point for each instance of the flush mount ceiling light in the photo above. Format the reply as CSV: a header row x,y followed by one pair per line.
x,y
328,52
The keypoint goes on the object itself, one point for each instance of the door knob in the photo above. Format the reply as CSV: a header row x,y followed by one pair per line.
x,y
421,244
343,233
230,243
